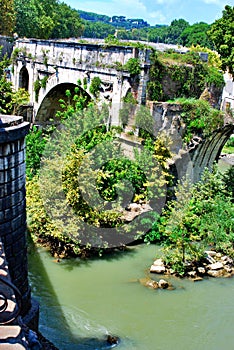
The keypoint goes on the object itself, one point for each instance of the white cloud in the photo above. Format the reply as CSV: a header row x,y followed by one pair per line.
x,y
158,17
219,3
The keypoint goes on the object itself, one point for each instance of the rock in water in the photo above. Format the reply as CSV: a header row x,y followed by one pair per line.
x,y
163,284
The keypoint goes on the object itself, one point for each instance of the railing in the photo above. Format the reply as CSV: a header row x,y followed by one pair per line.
x,y
6,316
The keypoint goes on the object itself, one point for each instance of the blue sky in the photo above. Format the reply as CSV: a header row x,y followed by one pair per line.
x,y
156,11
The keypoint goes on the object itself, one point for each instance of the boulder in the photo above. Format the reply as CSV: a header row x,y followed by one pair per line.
x,y
226,260
157,269
192,274
210,259
210,252
201,270
216,266
147,282
134,207
163,284
158,262
228,269
215,273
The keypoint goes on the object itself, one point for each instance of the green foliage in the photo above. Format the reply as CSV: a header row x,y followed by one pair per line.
x,y
174,75
196,34
214,77
201,216
95,86
42,228
200,117
10,100
213,56
128,108
228,178
45,58
17,99
98,30
15,53
154,86
74,103
46,19
115,171
178,32
229,146
44,81
144,121
221,33
7,17
85,83
35,143
230,142
37,87
133,66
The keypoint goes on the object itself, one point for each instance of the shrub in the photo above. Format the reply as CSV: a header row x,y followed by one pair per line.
x,y
95,86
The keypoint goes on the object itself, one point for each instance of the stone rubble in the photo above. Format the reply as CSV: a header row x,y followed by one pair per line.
x,y
214,264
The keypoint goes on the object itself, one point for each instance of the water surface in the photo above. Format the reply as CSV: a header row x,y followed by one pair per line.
x,y
83,300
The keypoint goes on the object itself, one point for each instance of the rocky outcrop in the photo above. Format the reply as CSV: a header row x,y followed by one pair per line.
x,y
152,284
214,264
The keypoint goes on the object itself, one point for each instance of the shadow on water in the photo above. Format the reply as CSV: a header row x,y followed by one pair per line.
x,y
53,323
112,256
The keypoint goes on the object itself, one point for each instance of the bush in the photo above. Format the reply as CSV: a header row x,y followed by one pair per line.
x,y
201,216
35,145
95,86
133,66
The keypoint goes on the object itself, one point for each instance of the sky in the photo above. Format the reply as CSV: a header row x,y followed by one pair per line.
x,y
156,11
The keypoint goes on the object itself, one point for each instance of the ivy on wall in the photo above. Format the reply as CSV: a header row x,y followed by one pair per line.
x,y
174,75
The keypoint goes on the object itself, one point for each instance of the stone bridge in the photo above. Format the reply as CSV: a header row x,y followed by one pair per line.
x,y
55,66
58,65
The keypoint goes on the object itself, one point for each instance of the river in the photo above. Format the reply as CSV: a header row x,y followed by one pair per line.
x,y
81,300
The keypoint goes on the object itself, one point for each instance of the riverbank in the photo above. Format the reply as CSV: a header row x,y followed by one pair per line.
x,y
214,264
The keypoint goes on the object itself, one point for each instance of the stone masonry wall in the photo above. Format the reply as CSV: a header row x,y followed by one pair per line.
x,y
12,202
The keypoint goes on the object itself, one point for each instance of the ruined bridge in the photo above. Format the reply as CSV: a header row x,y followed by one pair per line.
x,y
59,65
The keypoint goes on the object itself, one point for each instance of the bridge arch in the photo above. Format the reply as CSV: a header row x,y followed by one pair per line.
x,y
49,105
24,78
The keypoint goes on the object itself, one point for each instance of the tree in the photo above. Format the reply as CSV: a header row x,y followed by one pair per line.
x,y
46,19
175,30
7,17
222,34
29,19
68,23
98,30
196,34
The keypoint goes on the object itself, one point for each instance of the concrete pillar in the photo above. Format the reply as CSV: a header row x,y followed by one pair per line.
x,y
13,202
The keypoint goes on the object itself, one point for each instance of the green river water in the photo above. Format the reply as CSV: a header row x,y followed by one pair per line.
x,y
81,300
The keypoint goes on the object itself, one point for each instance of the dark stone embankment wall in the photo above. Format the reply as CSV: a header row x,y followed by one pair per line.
x,y
13,203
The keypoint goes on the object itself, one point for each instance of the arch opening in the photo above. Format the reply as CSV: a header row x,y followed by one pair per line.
x,y
50,105
24,78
